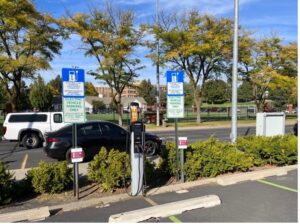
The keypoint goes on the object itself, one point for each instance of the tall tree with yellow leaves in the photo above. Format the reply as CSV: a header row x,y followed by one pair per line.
x,y
200,45
28,41
273,66
111,38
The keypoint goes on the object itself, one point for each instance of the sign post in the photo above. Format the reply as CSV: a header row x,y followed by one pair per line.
x,y
175,105
74,112
182,144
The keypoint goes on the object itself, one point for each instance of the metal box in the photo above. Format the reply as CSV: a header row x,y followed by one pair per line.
x,y
270,124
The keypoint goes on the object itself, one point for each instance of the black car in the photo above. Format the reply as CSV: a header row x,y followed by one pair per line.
x,y
91,136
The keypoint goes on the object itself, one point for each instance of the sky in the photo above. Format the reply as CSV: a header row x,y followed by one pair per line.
x,y
263,17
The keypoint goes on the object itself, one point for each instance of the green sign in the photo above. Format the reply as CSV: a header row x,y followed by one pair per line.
x,y
74,110
175,106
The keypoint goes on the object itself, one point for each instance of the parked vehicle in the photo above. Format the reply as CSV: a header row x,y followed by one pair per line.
x,y
91,136
29,128
295,129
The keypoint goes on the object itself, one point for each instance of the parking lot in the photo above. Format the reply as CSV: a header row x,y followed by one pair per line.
x,y
273,199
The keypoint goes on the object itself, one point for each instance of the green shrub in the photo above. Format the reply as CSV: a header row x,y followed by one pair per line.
x,y
210,158
6,184
110,170
22,189
277,150
149,171
50,177
167,162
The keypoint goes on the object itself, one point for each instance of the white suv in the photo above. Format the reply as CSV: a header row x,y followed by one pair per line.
x,y
29,128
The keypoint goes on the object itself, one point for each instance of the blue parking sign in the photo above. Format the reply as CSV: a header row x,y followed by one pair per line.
x,y
175,81
73,82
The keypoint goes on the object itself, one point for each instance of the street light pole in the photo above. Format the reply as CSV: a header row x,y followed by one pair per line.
x,y
234,73
157,71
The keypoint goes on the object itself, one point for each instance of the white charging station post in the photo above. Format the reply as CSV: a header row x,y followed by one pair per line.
x,y
137,131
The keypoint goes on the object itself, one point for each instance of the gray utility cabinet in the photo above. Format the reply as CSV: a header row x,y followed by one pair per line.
x,y
270,124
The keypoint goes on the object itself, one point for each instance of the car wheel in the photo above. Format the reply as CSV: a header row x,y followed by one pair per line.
x,y
31,140
150,148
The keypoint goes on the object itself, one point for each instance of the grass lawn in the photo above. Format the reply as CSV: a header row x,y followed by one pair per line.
x,y
246,104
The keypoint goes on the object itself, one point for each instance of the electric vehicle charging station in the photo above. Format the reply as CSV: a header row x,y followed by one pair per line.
x,y
137,143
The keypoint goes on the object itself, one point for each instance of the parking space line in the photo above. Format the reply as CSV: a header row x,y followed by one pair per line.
x,y
23,165
173,218
278,186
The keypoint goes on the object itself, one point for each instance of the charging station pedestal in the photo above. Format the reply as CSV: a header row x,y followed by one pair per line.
x,y
137,137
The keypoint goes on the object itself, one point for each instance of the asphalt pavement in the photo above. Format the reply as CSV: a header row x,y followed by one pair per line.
x,y
273,199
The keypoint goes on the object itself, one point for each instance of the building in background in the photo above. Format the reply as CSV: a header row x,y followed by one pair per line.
x,y
104,91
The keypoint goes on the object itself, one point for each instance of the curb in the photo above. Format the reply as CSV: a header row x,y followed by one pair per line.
x,y
223,180
255,175
165,210
35,214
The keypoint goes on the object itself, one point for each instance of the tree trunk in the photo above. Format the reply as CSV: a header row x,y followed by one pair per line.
x,y
15,96
198,105
120,110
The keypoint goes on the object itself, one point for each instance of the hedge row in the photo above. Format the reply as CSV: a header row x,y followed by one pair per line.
x,y
278,150
211,157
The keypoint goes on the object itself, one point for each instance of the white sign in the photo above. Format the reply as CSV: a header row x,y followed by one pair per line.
x,y
175,106
175,88
182,142
74,110
77,155
73,88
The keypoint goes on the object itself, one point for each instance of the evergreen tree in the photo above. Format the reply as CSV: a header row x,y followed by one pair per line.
x,y
55,86
147,91
40,95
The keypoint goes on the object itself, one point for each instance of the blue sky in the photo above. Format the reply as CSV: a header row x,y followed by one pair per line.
x,y
264,17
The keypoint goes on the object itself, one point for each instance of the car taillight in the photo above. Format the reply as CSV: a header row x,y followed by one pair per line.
x,y
50,140
4,130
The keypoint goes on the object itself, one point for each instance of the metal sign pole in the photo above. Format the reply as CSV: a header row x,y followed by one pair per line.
x,y
182,162
73,93
74,169
176,145
76,166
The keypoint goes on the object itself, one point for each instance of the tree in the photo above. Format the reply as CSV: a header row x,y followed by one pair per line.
x,y
55,86
3,96
98,105
197,44
111,38
90,89
24,102
245,92
188,95
147,91
273,66
40,95
216,91
28,41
